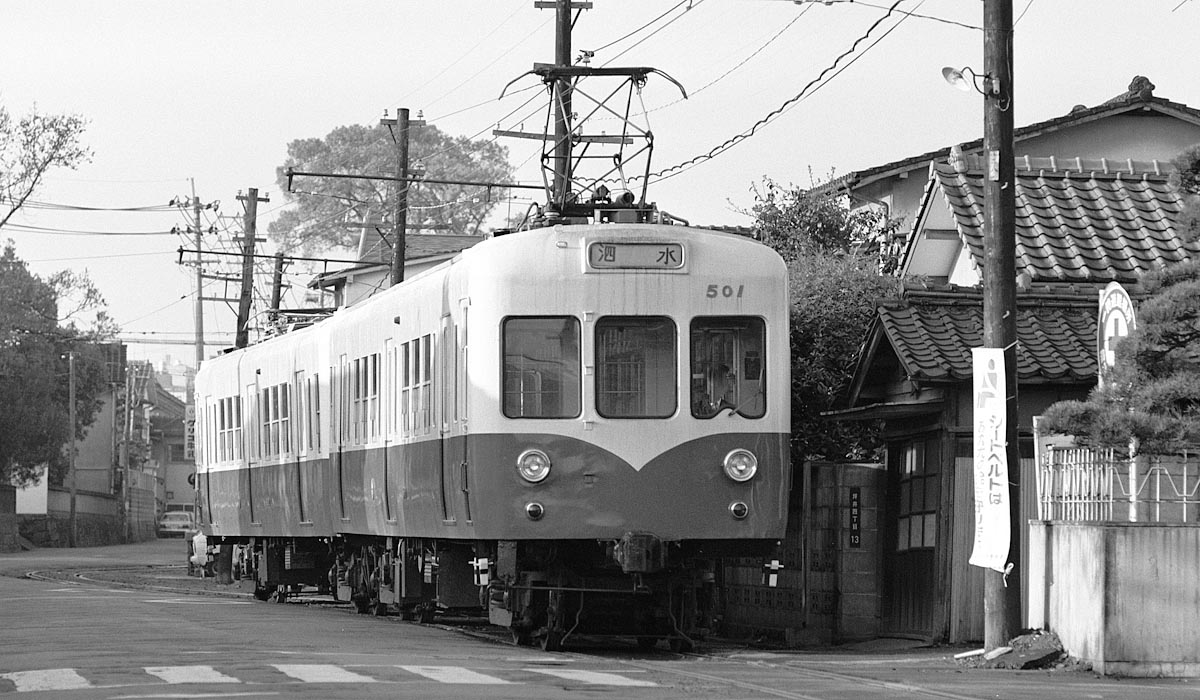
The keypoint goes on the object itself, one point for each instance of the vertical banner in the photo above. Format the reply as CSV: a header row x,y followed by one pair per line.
x,y
991,460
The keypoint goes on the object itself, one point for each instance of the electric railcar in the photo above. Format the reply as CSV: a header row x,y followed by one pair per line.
x,y
565,426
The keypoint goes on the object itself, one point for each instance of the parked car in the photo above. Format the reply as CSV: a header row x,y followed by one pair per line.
x,y
176,523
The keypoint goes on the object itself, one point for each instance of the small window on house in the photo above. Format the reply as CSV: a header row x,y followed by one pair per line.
x,y
919,496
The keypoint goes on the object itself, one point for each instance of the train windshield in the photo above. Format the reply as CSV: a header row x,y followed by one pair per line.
x,y
635,367
542,367
727,366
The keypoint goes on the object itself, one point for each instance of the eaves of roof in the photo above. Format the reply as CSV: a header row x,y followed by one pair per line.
x,y
933,337
1128,102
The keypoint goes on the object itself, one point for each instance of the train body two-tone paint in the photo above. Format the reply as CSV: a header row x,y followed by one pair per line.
x,y
566,426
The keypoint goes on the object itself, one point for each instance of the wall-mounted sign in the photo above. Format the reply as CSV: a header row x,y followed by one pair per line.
x,y
634,256
855,517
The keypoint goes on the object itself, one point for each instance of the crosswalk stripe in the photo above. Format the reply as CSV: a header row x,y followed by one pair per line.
x,y
47,679
455,674
190,674
322,673
591,677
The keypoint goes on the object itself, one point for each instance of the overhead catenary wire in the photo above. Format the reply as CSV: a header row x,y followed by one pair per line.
x,y
828,73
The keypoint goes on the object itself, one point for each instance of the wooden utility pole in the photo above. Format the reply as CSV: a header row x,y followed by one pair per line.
x,y
73,531
199,307
277,283
1002,599
249,230
398,242
562,106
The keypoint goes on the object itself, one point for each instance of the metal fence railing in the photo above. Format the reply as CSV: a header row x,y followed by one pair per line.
x,y
1087,485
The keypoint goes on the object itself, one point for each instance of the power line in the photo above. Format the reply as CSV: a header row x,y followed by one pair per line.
x,y
26,228
804,92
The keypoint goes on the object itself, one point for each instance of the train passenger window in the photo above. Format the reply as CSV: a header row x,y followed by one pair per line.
x,y
727,366
635,367
541,367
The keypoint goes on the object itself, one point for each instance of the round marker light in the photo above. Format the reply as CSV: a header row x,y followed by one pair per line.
x,y
535,511
741,465
739,510
533,465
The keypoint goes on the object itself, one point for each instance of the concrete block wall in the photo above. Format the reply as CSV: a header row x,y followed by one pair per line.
x,y
829,590
8,519
1123,596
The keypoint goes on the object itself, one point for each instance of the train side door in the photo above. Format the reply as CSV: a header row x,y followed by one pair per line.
x,y
454,479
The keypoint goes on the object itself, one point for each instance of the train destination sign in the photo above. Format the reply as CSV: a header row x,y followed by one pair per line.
x,y
635,256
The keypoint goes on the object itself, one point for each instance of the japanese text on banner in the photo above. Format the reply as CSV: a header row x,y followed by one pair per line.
x,y
991,460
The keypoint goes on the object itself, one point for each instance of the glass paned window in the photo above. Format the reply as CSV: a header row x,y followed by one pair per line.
x,y
728,362
919,479
542,367
635,367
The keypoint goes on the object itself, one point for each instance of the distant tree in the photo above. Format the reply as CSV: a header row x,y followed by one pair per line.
x,y
31,146
1152,400
34,366
327,210
835,280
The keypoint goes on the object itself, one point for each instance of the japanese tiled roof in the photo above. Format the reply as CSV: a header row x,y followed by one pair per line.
x,y
1076,226
421,245
932,335
1139,96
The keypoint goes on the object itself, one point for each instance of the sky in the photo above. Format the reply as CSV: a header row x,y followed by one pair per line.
x,y
207,94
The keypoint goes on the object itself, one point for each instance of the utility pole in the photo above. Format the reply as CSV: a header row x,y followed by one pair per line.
x,y
1002,599
403,178
277,283
199,307
249,230
398,242
73,532
562,110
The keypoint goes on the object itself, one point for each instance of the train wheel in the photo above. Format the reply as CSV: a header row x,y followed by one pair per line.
x,y
362,605
552,641
521,635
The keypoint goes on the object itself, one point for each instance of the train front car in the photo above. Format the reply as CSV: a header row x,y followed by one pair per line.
x,y
629,416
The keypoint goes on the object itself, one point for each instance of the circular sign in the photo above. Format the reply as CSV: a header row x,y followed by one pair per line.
x,y
1116,321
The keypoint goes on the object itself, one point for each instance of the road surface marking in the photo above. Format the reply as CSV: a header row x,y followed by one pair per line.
x,y
455,674
591,677
322,673
47,679
190,674
198,600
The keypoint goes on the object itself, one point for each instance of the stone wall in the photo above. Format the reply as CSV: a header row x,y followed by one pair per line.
x,y
8,519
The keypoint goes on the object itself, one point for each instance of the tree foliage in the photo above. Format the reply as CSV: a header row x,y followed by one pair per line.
x,y
31,146
328,210
1153,397
34,368
798,222
1186,179
834,283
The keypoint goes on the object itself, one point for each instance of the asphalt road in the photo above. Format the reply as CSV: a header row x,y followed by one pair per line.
x,y
78,636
